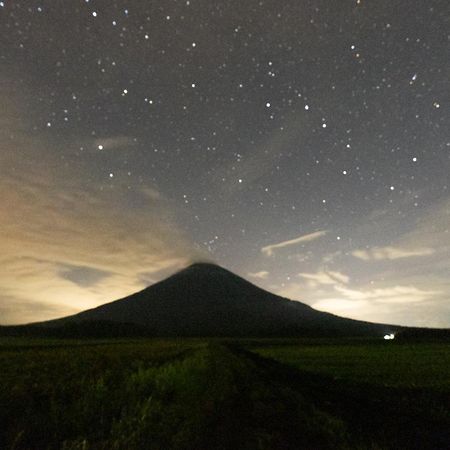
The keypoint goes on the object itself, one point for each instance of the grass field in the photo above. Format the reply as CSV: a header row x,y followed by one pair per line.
x,y
198,394
396,364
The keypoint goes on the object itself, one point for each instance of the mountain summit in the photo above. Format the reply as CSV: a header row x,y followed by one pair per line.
x,y
207,300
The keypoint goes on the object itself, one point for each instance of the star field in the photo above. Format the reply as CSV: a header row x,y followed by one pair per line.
x,y
304,145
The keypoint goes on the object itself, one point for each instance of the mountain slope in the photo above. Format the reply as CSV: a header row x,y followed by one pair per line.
x,y
207,300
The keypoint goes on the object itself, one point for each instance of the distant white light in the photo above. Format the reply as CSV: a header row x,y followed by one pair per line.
x,y
344,172
389,337
392,188
415,159
114,23
193,85
436,105
146,36
125,91
111,175
100,147
194,44
2,4
240,180
306,107
324,125
94,13
268,105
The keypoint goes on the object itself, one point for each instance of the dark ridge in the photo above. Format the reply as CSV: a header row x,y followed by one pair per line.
x,y
205,299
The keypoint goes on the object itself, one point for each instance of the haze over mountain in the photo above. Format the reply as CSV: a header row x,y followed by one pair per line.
x,y
207,300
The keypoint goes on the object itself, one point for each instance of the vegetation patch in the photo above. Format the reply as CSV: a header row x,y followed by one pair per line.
x,y
216,394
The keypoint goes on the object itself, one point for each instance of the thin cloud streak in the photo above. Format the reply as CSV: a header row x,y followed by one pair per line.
x,y
325,278
394,294
262,275
269,249
390,253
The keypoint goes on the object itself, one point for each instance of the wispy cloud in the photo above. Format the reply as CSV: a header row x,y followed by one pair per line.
x,y
262,275
292,290
70,241
74,250
269,249
393,294
405,282
261,157
341,306
325,278
390,253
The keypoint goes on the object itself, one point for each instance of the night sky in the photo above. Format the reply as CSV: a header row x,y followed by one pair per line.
x,y
303,144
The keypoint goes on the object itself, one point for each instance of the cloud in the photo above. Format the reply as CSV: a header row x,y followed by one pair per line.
x,y
432,230
269,249
263,274
424,303
149,193
340,306
260,158
27,312
76,249
404,305
399,304
69,240
325,278
408,285
293,291
390,253
393,294
83,276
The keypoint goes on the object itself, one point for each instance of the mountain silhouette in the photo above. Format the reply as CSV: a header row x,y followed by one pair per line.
x,y
207,300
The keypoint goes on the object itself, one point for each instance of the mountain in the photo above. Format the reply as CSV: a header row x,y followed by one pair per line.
x,y
208,300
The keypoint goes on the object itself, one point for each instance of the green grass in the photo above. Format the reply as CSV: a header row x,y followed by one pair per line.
x,y
397,364
53,390
218,394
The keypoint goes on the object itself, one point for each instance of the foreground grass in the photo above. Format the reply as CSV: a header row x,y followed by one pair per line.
x,y
151,395
392,363
397,395
194,394
50,391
